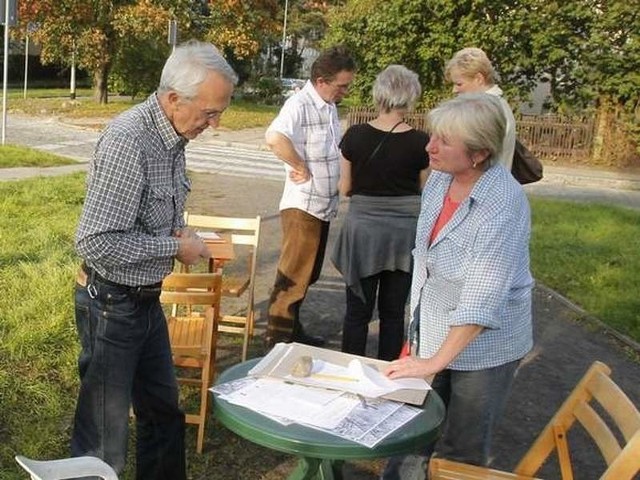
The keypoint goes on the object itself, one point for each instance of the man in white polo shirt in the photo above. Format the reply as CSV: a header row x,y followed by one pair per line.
x,y
305,136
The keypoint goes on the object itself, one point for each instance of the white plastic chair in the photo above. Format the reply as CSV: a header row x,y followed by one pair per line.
x,y
77,467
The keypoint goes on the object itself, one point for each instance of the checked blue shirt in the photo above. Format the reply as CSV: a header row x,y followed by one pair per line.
x,y
476,271
136,192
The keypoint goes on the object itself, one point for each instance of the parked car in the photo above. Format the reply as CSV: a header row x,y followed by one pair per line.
x,y
291,86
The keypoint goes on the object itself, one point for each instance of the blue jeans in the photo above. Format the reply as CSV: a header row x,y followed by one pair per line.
x,y
126,359
474,400
392,289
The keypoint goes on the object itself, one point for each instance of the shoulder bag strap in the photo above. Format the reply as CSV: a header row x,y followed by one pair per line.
x,y
384,139
377,149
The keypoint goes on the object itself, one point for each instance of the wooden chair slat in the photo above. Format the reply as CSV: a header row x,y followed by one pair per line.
x,y
599,431
235,286
442,469
626,464
616,403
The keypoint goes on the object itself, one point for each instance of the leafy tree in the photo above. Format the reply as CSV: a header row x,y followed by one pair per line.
x,y
589,49
83,28
239,25
382,32
239,28
103,34
138,61
306,27
422,36
614,53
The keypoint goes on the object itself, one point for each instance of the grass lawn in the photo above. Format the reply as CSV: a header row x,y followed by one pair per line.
x,y
37,337
591,254
39,92
587,252
17,156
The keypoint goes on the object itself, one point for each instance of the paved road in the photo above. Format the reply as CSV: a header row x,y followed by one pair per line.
x,y
231,160
51,136
207,154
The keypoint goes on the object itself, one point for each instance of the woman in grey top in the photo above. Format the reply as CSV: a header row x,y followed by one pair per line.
x,y
383,168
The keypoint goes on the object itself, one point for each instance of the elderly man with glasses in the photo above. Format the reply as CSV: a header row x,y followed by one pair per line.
x,y
130,232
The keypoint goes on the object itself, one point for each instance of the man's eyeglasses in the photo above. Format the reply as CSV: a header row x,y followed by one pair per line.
x,y
207,113
211,115
340,86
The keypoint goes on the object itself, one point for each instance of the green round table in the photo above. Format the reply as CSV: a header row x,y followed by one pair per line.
x,y
322,454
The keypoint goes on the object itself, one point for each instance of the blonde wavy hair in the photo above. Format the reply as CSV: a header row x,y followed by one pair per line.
x,y
470,61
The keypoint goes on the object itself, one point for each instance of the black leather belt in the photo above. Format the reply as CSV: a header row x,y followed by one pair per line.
x,y
141,291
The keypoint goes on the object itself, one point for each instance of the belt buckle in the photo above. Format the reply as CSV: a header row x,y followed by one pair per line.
x,y
146,292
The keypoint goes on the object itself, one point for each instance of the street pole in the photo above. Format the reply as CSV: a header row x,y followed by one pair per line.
x,y
284,36
172,35
26,64
5,70
72,80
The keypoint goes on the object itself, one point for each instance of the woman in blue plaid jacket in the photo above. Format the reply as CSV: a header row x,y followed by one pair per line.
x,y
471,286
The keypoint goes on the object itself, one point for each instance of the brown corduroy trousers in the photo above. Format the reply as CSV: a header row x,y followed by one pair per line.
x,y
304,241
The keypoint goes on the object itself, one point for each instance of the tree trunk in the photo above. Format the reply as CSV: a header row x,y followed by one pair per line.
x,y
100,77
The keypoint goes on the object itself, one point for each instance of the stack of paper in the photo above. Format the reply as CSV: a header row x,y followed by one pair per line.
x,y
344,400
341,371
210,236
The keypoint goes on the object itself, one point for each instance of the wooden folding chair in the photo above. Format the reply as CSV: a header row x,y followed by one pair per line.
x,y
193,333
595,389
236,282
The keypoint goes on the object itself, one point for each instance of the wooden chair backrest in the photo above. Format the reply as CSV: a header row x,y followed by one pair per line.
x,y
616,434
246,231
240,273
191,289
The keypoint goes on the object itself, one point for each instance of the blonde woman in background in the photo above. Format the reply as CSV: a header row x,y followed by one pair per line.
x,y
471,71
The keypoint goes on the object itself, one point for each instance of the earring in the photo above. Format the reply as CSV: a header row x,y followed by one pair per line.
x,y
475,164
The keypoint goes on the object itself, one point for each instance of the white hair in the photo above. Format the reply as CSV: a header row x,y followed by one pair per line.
x,y
396,87
188,66
476,119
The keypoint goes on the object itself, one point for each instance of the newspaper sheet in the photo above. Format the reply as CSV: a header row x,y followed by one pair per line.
x,y
365,421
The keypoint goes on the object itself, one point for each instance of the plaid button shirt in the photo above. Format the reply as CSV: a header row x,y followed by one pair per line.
x,y
313,127
476,271
136,191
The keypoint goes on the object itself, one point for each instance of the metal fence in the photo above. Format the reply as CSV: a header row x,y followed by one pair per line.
x,y
549,137
417,120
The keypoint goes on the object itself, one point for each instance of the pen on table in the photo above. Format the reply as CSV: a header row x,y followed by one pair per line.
x,y
337,378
